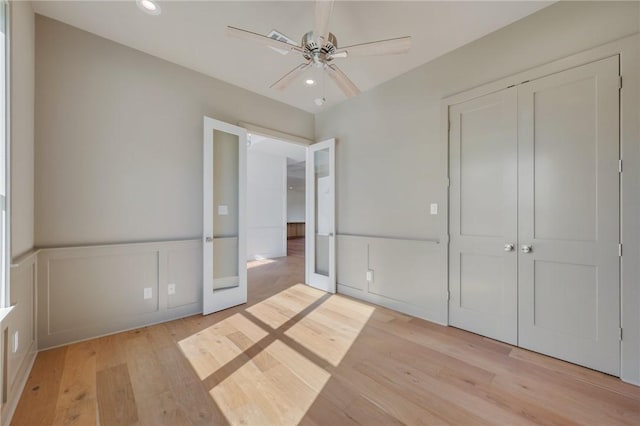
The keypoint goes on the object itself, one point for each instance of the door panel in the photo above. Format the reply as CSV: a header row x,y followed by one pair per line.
x,y
224,254
320,220
478,289
569,292
565,155
483,213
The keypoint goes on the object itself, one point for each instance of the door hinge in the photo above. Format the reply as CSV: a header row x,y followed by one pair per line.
x,y
620,333
449,126
619,166
448,296
448,182
619,82
619,250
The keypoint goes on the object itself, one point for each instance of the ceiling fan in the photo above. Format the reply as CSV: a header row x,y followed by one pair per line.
x,y
319,48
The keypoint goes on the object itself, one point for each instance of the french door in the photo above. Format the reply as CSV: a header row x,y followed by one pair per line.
x,y
535,215
320,270
224,228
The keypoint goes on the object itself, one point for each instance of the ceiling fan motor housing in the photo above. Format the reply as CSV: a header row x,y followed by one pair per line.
x,y
319,55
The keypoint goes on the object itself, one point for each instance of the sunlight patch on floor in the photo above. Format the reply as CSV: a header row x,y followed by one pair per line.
x,y
276,387
252,373
330,330
259,262
210,349
280,308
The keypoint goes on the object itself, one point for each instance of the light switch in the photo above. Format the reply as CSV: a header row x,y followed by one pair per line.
x,y
223,210
434,208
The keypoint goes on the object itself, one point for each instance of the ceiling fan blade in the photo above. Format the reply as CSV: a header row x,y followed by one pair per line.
x,y
290,77
392,46
322,15
267,41
343,82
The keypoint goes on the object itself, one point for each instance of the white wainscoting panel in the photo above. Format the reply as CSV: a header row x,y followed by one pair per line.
x,y
352,254
184,269
85,292
21,320
407,275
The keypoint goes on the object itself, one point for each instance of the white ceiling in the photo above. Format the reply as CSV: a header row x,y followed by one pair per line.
x,y
192,34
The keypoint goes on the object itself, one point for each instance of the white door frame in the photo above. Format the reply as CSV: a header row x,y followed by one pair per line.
x,y
232,296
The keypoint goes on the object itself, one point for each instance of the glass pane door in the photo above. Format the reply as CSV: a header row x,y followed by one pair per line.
x,y
224,187
320,268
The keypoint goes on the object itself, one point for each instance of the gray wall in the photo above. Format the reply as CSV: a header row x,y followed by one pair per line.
x,y
119,139
296,205
390,171
404,142
22,124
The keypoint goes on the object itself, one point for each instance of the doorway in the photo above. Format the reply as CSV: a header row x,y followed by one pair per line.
x,y
296,207
245,212
275,198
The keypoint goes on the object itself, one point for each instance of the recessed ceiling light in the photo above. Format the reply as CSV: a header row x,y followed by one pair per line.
x,y
319,101
149,6
310,82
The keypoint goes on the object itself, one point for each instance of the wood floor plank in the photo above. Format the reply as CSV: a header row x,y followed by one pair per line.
x,y
40,395
389,400
147,376
161,410
116,400
76,404
504,399
194,400
109,351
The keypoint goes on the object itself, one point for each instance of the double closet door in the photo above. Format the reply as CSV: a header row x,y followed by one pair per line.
x,y
534,217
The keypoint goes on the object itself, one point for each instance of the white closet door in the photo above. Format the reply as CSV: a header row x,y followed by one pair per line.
x,y
483,216
569,283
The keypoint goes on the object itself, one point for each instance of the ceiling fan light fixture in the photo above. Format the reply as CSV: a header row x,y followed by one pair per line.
x,y
149,6
319,49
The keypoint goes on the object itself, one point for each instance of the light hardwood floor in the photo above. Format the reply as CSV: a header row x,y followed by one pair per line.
x,y
297,355
295,247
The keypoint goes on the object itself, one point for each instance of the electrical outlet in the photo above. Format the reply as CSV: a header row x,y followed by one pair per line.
x,y
370,275
223,210
434,208
148,293
172,289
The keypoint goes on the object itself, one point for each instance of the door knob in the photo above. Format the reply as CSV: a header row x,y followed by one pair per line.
x,y
508,247
208,239
525,248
